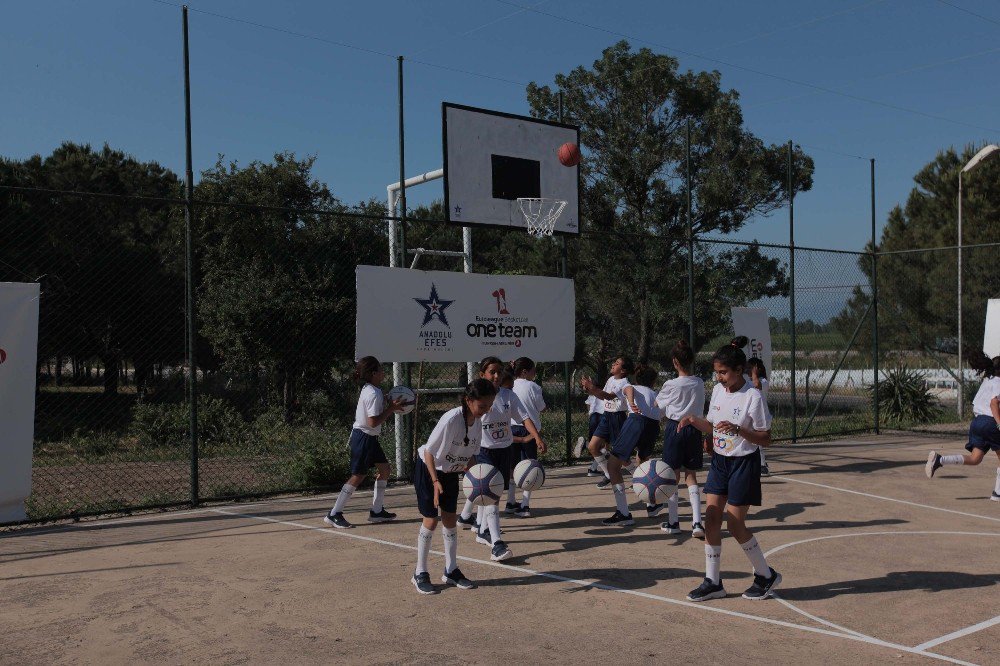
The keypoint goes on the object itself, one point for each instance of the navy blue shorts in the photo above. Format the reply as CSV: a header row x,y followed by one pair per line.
x,y
638,432
683,450
499,458
525,451
425,491
366,452
592,423
610,425
736,477
983,434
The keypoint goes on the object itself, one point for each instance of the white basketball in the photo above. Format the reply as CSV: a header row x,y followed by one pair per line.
x,y
529,475
483,485
654,482
408,395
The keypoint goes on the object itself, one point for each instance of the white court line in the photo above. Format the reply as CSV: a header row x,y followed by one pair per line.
x,y
887,499
610,588
958,634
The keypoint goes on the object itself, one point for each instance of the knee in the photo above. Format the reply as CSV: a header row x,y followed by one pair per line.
x,y
594,447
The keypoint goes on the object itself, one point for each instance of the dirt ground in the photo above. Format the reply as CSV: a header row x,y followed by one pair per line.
x,y
879,564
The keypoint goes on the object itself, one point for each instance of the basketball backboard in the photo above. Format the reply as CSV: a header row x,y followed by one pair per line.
x,y
491,159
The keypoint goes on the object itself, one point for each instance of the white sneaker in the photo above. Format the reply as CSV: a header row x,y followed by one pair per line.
x,y
578,449
933,464
995,497
697,531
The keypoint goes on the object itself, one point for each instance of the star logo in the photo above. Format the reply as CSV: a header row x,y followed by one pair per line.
x,y
458,211
434,307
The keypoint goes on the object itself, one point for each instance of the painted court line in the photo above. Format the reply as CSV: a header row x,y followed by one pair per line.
x,y
958,634
610,588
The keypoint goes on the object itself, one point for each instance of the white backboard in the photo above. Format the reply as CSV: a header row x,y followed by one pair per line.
x,y
492,158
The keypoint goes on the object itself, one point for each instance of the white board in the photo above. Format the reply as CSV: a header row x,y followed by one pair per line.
x,y
991,337
753,323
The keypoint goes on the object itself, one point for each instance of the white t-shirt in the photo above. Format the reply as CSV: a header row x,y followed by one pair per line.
x,y
507,409
645,400
530,394
447,443
595,405
370,403
616,386
745,408
981,403
683,396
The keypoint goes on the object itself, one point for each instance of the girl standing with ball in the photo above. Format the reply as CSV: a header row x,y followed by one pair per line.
x,y
451,449
372,411
739,423
526,445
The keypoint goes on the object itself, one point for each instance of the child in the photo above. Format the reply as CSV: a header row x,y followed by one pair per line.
x,y
371,413
739,424
984,431
758,377
615,412
682,449
639,432
525,446
595,408
450,449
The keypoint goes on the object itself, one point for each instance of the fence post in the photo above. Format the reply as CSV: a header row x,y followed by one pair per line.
x,y
402,460
189,266
567,388
690,239
791,290
874,307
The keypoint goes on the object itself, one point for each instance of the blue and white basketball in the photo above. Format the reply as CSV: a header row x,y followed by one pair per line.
x,y
654,482
483,485
529,475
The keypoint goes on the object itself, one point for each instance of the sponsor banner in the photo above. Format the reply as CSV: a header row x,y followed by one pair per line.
x,y
753,323
18,364
408,315
991,339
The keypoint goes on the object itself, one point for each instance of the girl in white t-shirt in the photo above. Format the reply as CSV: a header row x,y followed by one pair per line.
x,y
450,450
372,411
615,412
739,423
758,377
984,431
526,446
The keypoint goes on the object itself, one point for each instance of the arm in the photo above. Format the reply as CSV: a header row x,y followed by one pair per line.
x,y
529,425
630,398
995,408
429,461
704,425
391,408
590,387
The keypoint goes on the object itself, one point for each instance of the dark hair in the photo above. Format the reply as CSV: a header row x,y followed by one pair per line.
x,y
488,361
732,355
365,369
475,390
521,366
507,376
645,376
628,365
983,364
757,362
683,354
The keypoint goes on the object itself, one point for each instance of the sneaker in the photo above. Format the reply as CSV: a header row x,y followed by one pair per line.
x,y
594,472
337,520
458,579
382,516
995,497
762,586
707,590
697,531
764,470
484,537
578,449
619,519
422,581
523,511
933,464
604,483
670,528
653,510
469,522
500,552
512,507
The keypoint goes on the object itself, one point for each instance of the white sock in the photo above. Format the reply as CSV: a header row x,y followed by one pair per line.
x,y
756,557
763,459
525,498
957,459
450,535
672,517
467,510
345,494
996,488
620,500
378,503
713,562
480,513
491,514
423,548
593,465
510,494
602,464
694,494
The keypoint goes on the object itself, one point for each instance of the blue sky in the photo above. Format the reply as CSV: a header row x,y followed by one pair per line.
x,y
110,71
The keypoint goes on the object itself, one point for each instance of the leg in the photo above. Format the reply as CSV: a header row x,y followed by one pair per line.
x,y
378,512
765,578
336,515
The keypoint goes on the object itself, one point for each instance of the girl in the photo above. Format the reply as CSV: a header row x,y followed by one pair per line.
x,y
984,431
372,411
739,424
525,445
758,377
496,451
451,449
639,432
682,448
614,414
595,409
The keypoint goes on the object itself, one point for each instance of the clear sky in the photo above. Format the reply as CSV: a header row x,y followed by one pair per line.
x,y
915,77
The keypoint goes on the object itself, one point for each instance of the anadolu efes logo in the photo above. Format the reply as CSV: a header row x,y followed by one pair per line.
x,y
434,308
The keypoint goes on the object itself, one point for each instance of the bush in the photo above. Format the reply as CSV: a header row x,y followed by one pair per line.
x,y
168,424
320,458
903,397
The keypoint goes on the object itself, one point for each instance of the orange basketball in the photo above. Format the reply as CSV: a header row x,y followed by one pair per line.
x,y
569,154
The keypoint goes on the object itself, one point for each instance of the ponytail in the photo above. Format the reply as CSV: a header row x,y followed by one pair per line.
x,y
732,355
983,364
521,366
683,354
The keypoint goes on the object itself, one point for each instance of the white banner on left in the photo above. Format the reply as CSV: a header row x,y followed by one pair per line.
x,y
407,315
18,365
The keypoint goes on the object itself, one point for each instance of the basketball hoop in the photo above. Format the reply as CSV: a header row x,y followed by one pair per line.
x,y
541,215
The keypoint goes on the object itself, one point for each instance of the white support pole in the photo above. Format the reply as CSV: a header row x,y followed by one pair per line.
x,y
467,268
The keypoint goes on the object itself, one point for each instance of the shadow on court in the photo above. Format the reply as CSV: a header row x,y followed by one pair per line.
x,y
897,581
624,579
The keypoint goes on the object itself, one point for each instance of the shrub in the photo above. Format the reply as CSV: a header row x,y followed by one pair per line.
x,y
903,397
167,424
320,458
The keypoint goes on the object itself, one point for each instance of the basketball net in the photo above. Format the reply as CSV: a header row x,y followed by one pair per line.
x,y
540,215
